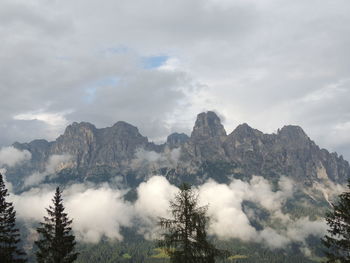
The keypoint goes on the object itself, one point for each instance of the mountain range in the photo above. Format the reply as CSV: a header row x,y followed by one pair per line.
x,y
280,184
209,152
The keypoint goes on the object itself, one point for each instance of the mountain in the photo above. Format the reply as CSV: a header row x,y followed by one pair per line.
x,y
208,153
286,181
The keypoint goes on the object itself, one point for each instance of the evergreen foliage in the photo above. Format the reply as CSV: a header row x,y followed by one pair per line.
x,y
9,234
185,237
337,241
57,243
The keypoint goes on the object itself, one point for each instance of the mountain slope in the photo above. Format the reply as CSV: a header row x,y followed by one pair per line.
x,y
242,153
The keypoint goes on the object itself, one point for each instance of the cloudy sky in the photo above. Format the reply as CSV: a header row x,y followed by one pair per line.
x,y
157,64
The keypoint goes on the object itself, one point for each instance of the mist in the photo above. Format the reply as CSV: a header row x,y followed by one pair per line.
x,y
10,156
101,211
55,163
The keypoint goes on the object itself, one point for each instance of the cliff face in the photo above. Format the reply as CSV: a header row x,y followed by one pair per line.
x,y
206,140
289,152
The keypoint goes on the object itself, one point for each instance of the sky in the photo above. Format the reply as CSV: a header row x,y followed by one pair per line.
x,y
157,64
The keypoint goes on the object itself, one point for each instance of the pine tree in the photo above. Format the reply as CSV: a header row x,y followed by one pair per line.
x,y
57,243
337,241
9,234
185,237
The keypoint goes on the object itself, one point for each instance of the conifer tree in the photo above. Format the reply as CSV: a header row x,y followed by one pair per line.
x,y
56,243
185,237
337,241
9,234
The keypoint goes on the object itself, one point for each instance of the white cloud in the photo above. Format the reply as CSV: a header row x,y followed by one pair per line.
x,y
229,220
273,239
30,205
11,156
171,63
225,209
100,210
96,210
303,227
55,163
54,119
151,160
153,202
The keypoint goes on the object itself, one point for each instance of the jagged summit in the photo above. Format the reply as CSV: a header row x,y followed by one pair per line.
x,y
124,125
244,130
248,151
292,132
208,124
206,139
175,139
75,126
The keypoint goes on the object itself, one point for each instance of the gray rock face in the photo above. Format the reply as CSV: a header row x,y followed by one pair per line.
x,y
289,152
176,140
117,144
208,125
78,140
90,147
206,140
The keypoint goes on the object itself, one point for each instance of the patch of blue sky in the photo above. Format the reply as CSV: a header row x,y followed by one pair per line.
x,y
108,81
90,94
152,62
91,89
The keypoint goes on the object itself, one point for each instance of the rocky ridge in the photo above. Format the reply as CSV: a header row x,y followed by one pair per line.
x,y
245,151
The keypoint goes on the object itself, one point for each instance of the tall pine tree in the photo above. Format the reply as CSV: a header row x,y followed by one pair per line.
x,y
185,237
9,234
337,241
56,243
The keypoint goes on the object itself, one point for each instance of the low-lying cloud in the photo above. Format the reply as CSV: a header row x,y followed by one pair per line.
x,y
153,202
101,210
10,156
55,162
152,161
96,211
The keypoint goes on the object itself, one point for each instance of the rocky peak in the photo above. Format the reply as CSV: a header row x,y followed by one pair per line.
x,y
245,131
175,140
245,145
292,131
76,128
121,132
293,135
79,140
289,152
208,124
123,128
82,133
206,139
40,144
118,144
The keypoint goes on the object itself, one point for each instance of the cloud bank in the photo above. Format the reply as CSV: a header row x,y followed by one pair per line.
x,y
10,156
96,210
101,210
56,162
153,161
